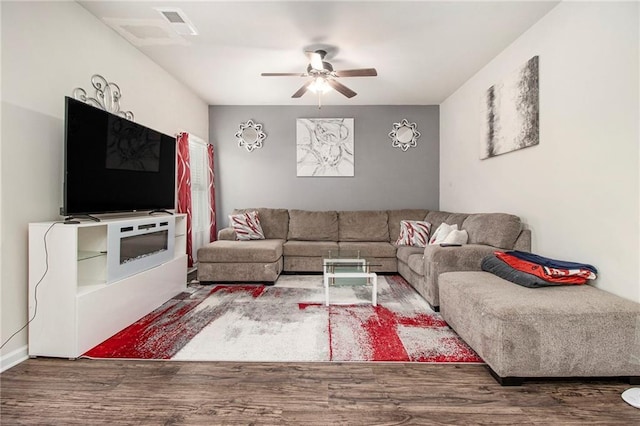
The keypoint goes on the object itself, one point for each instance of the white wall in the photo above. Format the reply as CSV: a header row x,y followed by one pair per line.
x,y
578,189
48,49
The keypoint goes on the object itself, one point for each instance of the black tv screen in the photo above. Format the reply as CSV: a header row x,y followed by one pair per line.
x,y
115,165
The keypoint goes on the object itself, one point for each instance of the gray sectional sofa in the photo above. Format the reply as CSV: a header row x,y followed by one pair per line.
x,y
297,241
574,331
488,232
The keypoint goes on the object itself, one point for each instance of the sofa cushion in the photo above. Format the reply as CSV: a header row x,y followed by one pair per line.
x,y
416,263
395,216
493,229
456,219
307,225
246,226
309,248
368,248
559,331
225,251
363,225
240,272
403,253
227,234
436,218
275,222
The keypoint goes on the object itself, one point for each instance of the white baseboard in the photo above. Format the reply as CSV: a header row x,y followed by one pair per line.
x,y
14,358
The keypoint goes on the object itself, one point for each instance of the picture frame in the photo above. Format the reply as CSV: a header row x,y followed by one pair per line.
x,y
325,147
510,112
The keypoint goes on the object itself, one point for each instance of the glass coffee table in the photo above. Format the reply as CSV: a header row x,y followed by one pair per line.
x,y
348,269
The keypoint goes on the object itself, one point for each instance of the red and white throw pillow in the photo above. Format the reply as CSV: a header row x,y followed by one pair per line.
x,y
247,226
414,233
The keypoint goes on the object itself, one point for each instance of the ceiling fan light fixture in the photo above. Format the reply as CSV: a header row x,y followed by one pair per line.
x,y
316,59
320,85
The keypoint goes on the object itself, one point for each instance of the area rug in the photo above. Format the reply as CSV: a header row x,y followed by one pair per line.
x,y
288,322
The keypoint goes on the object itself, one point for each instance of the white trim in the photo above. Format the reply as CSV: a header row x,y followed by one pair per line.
x,y
14,358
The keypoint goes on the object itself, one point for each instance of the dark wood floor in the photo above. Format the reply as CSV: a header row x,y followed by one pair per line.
x,y
89,392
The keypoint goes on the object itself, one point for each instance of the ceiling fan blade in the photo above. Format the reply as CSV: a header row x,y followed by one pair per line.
x,y
301,91
364,72
315,59
283,74
339,87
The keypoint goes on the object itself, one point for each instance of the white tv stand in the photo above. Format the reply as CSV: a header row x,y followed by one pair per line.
x,y
78,305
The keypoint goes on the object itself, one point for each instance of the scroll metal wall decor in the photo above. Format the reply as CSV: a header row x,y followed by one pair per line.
x,y
404,135
107,96
250,135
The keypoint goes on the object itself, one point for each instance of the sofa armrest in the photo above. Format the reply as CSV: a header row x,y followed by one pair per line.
x,y
464,258
438,260
226,234
523,243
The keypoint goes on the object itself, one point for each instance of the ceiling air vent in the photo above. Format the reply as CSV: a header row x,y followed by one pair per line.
x,y
146,32
178,20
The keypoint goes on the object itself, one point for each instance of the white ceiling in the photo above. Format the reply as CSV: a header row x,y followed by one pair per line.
x,y
423,50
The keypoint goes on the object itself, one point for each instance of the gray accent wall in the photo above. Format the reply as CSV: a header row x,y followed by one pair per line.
x,y
385,177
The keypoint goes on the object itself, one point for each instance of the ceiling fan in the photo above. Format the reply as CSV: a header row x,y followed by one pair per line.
x,y
323,77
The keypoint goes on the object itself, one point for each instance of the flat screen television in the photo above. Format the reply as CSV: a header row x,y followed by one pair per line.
x,y
115,165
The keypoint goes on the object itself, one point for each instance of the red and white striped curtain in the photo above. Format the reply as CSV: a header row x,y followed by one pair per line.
x,y
213,233
184,188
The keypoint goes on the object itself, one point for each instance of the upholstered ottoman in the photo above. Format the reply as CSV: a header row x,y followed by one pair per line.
x,y
240,261
566,331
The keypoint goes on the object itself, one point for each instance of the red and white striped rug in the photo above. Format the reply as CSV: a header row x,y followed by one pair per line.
x,y
289,322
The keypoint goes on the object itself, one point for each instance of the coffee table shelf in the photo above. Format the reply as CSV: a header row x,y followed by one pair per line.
x,y
352,271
